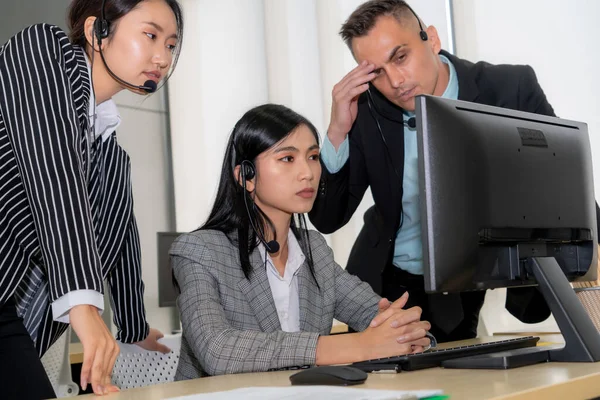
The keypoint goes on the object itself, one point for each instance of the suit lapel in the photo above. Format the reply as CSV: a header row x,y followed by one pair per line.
x,y
259,295
310,301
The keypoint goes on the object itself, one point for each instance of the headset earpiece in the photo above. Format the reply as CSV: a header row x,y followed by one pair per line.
x,y
101,28
248,170
422,32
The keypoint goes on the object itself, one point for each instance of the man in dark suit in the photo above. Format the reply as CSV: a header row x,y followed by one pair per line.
x,y
371,142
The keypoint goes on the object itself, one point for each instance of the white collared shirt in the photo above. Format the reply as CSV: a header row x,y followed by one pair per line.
x,y
107,114
285,288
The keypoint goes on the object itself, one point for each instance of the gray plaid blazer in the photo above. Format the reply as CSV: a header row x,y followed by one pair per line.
x,y
230,324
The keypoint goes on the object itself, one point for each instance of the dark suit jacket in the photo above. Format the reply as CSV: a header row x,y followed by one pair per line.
x,y
508,86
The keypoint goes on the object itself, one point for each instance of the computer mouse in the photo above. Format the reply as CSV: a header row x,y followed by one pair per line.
x,y
329,375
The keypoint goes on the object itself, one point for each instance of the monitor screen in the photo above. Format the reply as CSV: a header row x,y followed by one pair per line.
x,y
498,187
167,294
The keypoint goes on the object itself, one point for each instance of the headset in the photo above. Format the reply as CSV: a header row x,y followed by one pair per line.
x,y
422,32
248,172
102,30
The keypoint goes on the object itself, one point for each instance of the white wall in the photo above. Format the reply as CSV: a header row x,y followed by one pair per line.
x,y
144,135
221,74
293,60
559,40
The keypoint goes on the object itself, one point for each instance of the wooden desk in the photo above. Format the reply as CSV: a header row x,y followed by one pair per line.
x,y
544,381
76,353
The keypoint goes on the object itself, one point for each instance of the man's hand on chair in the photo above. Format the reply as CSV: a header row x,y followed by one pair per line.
x,y
151,342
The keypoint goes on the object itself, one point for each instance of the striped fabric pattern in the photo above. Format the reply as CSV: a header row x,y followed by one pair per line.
x,y
60,232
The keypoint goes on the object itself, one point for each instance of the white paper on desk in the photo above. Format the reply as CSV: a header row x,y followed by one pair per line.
x,y
312,393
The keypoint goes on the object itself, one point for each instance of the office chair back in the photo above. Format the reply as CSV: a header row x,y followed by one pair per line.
x,y
136,367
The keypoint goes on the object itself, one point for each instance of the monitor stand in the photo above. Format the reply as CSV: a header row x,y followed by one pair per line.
x,y
582,339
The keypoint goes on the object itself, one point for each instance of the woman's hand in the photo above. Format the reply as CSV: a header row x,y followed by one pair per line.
x,y
151,342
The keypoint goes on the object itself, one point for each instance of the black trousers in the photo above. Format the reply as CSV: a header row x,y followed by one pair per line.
x,y
22,375
397,281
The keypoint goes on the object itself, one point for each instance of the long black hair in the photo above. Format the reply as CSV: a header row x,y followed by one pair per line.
x,y
258,130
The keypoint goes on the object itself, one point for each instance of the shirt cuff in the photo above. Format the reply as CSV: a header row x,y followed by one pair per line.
x,y
332,159
62,306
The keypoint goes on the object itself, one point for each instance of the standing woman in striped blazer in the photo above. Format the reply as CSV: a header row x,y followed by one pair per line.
x,y
66,206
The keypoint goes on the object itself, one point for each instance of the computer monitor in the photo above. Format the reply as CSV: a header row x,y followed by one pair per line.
x,y
167,294
507,199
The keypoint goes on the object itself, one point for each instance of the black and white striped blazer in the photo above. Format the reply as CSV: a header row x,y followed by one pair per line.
x,y
61,231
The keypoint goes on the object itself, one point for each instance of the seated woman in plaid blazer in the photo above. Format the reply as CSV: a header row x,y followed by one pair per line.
x,y
258,290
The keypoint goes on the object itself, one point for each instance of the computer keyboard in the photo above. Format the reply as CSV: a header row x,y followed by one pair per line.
x,y
434,357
